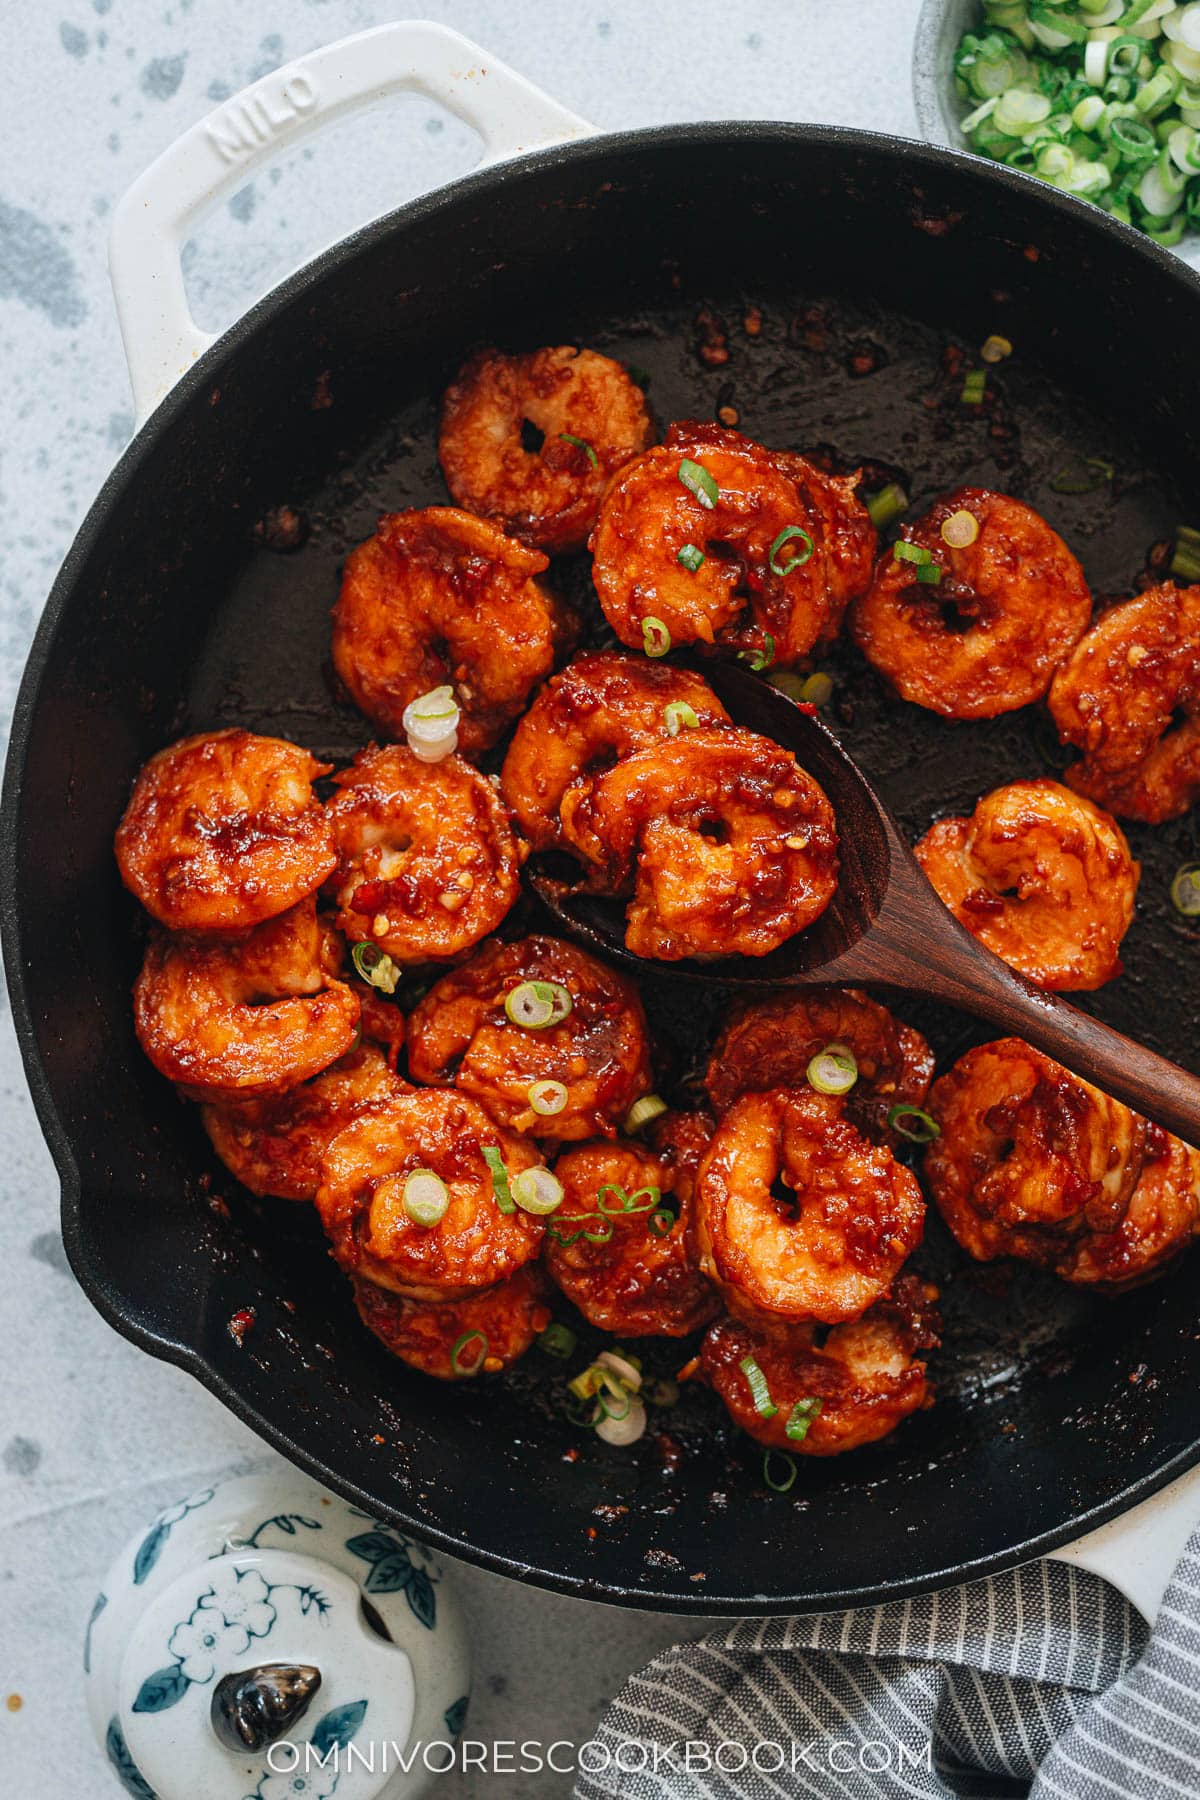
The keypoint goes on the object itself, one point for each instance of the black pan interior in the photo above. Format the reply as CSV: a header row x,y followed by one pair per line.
x,y
875,269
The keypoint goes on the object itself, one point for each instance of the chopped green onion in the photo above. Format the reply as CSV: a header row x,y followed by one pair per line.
x,y
817,690
913,1124
426,1198
974,387
960,529
500,1188
697,480
929,573
785,682
760,1393
800,1418
1185,561
650,1106
557,1340
627,1203
788,1479
833,1070
433,707
787,536
679,716
656,639
534,1005
887,505
602,1233
1077,481
547,1098
903,551
581,444
662,1223
1185,891
691,557
537,1191
760,659
375,967
460,1345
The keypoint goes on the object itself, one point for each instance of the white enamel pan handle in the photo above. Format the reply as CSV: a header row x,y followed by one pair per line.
x,y
1138,1551
151,223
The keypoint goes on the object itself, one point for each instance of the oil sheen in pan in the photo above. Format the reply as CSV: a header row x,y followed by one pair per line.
x,y
859,386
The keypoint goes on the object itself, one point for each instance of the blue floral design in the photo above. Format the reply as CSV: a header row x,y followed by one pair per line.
x,y
98,1607
235,1609
331,1732
394,1570
151,1546
126,1770
285,1522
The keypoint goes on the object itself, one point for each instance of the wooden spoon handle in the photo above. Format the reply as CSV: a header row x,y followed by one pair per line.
x,y
916,944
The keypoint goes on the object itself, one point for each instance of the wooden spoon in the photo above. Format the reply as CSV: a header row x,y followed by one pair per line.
x,y
887,928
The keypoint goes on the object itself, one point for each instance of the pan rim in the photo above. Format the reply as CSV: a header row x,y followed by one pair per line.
x,y
30,694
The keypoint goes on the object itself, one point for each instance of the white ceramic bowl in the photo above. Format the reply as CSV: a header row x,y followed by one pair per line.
x,y
940,25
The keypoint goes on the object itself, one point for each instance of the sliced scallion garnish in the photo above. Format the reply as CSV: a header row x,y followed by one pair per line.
x,y
650,1106
779,1484
760,1393
887,505
499,1171
581,444
374,966
691,557
790,534
929,574
1185,891
960,529
1079,480
656,639
903,551
535,1005
913,1124
456,1353
426,1198
833,1070
662,1223
547,1098
974,387
817,690
537,1191
1185,560
557,1340
760,659
800,1418
994,349
697,480
679,716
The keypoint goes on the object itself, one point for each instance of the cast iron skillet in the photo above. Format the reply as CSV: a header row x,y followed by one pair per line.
x,y
871,261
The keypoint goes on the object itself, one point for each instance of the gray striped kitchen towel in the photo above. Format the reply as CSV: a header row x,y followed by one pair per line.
x,y
1041,1682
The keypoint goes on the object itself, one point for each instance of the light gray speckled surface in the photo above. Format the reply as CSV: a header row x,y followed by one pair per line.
x,y
94,1436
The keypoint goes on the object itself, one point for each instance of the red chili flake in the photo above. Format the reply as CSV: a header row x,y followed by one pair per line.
x,y
752,324
571,1455
322,393
713,347
242,1324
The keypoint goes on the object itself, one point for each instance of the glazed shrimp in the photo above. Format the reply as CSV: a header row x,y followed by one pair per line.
x,y
1129,699
596,1054
783,546
275,1145
439,597
360,1198
231,1018
730,844
1161,1221
798,1217
456,1339
591,417
602,706
770,1043
642,1279
987,636
851,1389
1042,877
1030,1157
223,831
427,860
